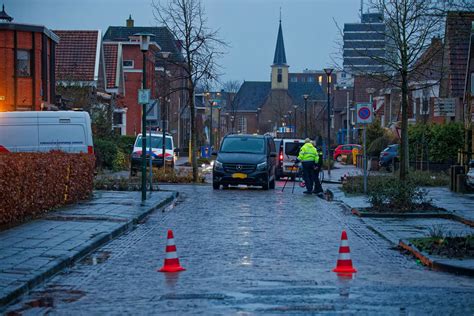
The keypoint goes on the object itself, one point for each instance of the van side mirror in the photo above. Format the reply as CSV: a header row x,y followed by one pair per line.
x,y
273,154
214,153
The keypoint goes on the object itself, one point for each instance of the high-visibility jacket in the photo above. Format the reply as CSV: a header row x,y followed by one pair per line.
x,y
308,153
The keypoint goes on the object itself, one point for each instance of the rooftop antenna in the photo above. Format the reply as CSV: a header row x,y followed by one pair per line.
x,y
280,14
361,8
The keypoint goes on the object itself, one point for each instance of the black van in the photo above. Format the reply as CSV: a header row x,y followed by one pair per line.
x,y
245,159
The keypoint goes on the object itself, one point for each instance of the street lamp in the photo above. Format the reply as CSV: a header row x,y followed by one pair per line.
x,y
208,94
259,110
144,46
328,72
295,107
164,56
232,118
305,97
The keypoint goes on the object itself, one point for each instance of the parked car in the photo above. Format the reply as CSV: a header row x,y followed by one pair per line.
x,y
345,150
156,152
470,174
388,156
245,159
33,131
288,150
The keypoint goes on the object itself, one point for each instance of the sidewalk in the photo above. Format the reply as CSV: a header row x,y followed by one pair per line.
x,y
36,250
399,231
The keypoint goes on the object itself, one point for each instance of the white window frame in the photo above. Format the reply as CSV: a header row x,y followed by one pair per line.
x,y
129,67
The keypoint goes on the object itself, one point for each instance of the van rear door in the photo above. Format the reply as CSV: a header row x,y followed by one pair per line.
x,y
64,131
18,132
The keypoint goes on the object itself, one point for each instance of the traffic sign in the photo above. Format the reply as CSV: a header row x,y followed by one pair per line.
x,y
152,110
364,113
143,96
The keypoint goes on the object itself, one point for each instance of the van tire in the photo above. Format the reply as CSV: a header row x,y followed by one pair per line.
x,y
267,184
215,185
272,184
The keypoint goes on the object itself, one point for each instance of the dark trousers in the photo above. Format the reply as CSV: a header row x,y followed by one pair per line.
x,y
308,175
317,185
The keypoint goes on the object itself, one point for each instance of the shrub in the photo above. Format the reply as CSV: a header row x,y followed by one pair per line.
x,y
121,161
125,144
394,195
440,141
33,183
105,153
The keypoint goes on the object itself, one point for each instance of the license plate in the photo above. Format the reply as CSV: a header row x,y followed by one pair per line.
x,y
292,168
239,176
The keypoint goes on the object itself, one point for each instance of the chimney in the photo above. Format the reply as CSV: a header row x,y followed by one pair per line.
x,y
130,21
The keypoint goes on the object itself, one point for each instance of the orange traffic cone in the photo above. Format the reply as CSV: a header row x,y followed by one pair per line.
x,y
171,261
344,262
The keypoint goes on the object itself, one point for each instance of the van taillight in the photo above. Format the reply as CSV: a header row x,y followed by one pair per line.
x,y
90,149
281,156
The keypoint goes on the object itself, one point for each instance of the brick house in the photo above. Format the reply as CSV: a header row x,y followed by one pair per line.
x,y
123,64
78,75
27,73
168,87
457,39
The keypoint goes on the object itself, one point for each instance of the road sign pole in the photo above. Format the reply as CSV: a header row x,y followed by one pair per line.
x,y
365,159
151,163
144,133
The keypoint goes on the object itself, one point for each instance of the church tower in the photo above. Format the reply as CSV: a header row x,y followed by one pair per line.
x,y
279,67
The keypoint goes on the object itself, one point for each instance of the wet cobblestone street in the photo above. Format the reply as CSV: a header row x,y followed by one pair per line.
x,y
249,252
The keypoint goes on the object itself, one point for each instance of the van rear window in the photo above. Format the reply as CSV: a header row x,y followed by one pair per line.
x,y
293,149
156,142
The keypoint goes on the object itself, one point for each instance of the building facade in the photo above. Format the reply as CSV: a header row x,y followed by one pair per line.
x,y
167,72
279,106
362,42
27,59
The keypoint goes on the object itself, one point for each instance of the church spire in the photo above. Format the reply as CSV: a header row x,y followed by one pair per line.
x,y
280,56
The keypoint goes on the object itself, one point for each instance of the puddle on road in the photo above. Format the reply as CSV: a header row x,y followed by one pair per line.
x,y
192,296
300,308
96,258
47,299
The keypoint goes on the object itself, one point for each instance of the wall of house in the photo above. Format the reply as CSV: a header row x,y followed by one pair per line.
x,y
133,82
29,92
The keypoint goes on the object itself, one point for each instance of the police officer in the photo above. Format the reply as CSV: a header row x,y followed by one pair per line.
x,y
309,158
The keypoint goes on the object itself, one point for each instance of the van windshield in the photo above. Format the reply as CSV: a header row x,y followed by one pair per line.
x,y
156,142
243,145
293,149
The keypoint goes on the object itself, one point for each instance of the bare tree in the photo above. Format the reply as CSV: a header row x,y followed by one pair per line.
x,y
201,48
232,86
410,26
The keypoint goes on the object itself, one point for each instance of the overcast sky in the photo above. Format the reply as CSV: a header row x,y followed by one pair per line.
x,y
250,26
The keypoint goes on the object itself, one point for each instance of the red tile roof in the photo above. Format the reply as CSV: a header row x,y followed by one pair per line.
x,y
111,58
77,55
458,32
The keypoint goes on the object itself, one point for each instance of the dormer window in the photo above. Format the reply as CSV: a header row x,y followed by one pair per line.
x,y
128,64
279,76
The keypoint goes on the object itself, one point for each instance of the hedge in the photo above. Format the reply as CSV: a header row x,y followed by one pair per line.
x,y
34,183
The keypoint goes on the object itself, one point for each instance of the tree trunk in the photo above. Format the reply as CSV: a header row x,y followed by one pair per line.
x,y
404,137
193,130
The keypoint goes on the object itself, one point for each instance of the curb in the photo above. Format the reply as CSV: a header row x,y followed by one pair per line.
x,y
97,242
360,213
433,264
447,215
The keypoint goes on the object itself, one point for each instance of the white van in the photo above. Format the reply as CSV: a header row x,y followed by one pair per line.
x,y
156,151
31,131
288,150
